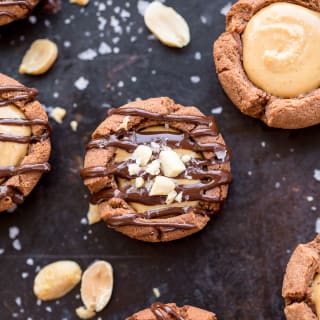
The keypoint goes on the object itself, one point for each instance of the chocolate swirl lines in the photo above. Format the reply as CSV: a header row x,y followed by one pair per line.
x,y
197,169
22,3
11,95
161,311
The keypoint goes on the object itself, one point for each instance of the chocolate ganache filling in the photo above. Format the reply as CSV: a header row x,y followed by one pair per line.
x,y
22,3
161,311
197,169
8,96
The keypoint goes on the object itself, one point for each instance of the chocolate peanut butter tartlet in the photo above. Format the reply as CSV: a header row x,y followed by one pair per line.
x,y
24,142
267,61
160,311
301,285
11,10
157,170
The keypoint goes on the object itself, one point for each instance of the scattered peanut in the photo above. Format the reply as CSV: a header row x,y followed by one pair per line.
x,y
93,214
84,313
39,58
56,279
142,155
80,2
97,285
167,25
171,197
58,114
154,167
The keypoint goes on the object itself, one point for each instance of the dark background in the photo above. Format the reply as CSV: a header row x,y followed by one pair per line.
x,y
235,266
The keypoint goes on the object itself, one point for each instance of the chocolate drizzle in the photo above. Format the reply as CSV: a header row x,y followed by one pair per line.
x,y
10,171
161,311
7,192
26,4
197,169
11,95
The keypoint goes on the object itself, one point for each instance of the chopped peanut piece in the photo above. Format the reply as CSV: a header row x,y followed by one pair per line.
x,y
84,313
39,58
162,186
58,114
171,163
93,214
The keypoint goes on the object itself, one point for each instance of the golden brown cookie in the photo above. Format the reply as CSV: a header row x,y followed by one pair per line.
x,y
11,10
24,142
157,170
301,284
170,311
288,113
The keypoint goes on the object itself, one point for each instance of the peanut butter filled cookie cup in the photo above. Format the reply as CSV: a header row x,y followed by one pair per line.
x,y
267,61
157,170
11,10
24,142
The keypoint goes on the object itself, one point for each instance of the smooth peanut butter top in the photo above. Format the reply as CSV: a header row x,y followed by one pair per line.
x,y
281,46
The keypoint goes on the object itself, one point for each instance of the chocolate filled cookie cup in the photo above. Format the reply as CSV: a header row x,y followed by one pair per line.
x,y
267,61
157,170
161,311
24,142
301,284
11,10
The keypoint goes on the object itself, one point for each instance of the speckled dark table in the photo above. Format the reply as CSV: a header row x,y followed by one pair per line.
x,y
235,266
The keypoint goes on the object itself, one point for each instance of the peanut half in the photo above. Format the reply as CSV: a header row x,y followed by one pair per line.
x,y
56,279
167,25
96,288
39,58
80,2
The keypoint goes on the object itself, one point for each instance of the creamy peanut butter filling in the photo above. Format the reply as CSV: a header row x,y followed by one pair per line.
x,y
11,153
316,293
281,46
173,197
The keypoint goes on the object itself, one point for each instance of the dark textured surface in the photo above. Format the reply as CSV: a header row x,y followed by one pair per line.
x,y
235,266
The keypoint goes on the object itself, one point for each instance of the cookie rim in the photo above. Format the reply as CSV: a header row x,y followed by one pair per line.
x,y
295,113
